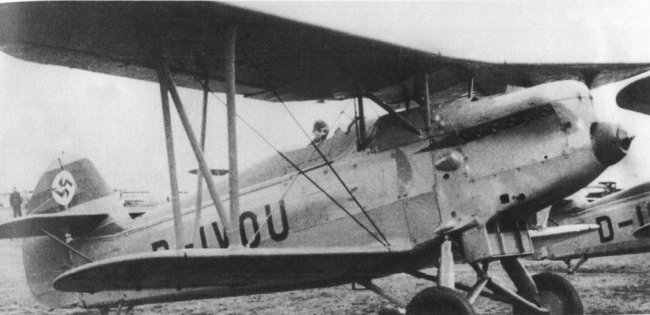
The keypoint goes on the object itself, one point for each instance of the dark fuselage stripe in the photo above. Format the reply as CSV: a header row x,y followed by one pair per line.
x,y
625,223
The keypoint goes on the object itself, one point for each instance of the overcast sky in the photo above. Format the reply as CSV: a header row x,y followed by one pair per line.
x,y
117,122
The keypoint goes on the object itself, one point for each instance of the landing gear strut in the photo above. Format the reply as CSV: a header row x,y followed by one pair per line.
x,y
572,269
544,293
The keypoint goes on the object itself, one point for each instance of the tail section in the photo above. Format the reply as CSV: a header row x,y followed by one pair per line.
x,y
71,200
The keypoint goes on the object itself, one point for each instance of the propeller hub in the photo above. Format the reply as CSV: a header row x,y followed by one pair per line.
x,y
610,142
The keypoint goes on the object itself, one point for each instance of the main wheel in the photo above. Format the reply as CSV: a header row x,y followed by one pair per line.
x,y
556,294
439,300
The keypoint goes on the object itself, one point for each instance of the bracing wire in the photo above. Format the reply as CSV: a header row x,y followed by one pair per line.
x,y
341,113
293,180
293,117
383,242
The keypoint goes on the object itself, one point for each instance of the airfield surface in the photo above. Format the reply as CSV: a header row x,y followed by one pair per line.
x,y
618,285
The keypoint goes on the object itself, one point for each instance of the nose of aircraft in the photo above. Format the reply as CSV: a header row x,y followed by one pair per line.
x,y
610,142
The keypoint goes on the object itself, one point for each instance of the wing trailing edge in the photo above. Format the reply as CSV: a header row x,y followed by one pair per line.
x,y
193,268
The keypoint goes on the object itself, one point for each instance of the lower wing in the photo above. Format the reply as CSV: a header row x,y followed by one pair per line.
x,y
232,267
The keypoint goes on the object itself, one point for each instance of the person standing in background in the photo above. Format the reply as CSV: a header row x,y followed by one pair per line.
x,y
16,201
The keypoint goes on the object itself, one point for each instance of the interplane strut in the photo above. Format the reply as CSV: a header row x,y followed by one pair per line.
x,y
166,79
199,185
230,72
171,161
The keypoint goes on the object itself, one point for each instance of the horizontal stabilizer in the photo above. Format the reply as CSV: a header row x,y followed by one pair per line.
x,y
34,225
213,171
555,234
191,268
642,232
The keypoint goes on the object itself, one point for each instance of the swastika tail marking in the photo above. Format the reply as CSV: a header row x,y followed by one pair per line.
x,y
63,188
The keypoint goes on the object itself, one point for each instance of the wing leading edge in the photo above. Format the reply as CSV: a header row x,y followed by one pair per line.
x,y
194,268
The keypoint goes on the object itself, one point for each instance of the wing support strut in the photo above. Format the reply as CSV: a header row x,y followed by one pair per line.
x,y
230,72
171,163
199,185
405,122
166,80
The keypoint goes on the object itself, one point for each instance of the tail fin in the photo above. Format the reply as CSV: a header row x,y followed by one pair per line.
x,y
67,185
69,198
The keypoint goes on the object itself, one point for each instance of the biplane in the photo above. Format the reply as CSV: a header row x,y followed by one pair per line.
x,y
621,219
466,152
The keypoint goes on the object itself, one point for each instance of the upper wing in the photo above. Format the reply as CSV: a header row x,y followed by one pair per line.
x,y
192,268
275,58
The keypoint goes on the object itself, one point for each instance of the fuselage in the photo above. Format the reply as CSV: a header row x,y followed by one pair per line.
x,y
616,215
495,162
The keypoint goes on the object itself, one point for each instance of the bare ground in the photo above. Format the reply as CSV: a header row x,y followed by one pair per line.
x,y
614,285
